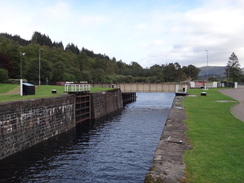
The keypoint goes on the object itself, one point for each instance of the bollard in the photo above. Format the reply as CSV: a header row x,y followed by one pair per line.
x,y
203,94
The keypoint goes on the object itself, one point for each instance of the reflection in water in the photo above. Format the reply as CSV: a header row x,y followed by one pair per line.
x,y
117,149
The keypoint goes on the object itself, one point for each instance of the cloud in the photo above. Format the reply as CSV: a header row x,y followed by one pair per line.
x,y
58,11
155,32
91,19
217,29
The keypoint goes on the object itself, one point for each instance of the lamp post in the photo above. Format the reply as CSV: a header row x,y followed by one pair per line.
x,y
21,79
207,64
40,49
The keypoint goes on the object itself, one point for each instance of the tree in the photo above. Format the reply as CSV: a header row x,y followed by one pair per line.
x,y
98,76
3,75
16,38
233,71
58,45
59,64
5,63
33,71
11,50
41,39
173,72
178,72
191,71
58,71
74,49
169,72
87,76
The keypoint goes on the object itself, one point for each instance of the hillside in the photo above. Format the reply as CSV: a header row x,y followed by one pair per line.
x,y
47,61
212,71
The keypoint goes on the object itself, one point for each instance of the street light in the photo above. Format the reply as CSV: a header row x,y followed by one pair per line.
x,y
40,49
207,64
21,79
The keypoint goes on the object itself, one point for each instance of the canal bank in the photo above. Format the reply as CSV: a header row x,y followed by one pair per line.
x,y
26,123
168,164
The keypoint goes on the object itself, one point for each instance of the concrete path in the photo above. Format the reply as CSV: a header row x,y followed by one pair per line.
x,y
237,94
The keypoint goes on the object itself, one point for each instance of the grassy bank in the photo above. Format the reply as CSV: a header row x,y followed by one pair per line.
x,y
217,139
7,87
42,91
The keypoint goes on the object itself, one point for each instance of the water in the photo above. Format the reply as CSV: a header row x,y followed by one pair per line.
x,y
119,149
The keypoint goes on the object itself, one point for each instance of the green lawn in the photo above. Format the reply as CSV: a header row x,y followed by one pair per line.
x,y
7,87
42,91
217,138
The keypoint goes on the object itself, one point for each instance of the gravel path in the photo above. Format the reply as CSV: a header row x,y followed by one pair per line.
x,y
237,94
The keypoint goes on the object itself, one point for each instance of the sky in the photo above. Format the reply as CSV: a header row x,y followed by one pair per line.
x,y
148,32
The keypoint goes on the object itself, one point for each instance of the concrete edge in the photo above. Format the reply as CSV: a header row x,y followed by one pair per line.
x,y
168,165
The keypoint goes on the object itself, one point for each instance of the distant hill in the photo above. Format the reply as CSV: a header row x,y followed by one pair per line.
x,y
212,71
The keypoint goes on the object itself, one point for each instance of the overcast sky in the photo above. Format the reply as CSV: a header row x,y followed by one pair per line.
x,y
146,31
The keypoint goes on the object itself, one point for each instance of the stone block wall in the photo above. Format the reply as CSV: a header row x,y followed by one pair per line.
x,y
104,103
26,123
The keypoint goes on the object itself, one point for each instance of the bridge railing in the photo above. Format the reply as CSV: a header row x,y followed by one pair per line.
x,y
70,87
147,87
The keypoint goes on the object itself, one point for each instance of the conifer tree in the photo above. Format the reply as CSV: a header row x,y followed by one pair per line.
x,y
233,71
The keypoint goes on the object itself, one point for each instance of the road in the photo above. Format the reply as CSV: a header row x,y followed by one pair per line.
x,y
237,94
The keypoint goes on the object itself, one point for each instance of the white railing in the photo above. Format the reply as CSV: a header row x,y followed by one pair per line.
x,y
70,87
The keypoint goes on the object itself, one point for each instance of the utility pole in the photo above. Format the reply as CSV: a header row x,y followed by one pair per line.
x,y
21,75
207,64
40,49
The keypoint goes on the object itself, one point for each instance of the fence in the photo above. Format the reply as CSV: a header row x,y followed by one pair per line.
x,y
68,87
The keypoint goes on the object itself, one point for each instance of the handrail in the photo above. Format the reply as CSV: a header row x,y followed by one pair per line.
x,y
70,87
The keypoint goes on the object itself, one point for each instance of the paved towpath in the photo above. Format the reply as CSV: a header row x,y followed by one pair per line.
x,y
238,94
168,165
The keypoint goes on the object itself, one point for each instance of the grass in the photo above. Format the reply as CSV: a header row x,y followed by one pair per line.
x,y
217,138
43,91
7,87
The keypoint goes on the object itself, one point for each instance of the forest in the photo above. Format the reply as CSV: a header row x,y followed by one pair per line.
x,y
20,58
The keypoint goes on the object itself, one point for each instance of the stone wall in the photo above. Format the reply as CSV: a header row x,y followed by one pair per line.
x,y
104,103
26,123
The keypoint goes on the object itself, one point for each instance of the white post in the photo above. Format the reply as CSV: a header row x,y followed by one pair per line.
x,y
236,85
176,88
185,88
21,80
21,87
